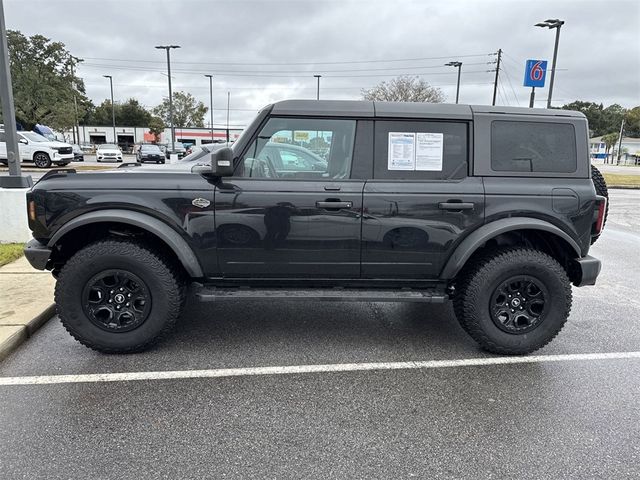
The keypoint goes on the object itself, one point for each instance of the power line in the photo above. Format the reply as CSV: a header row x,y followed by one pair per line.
x,y
344,62
270,74
297,71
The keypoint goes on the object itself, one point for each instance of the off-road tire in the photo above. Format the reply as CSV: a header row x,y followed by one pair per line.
x,y
42,160
480,278
164,281
601,189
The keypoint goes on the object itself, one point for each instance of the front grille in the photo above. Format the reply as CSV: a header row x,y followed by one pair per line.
x,y
65,150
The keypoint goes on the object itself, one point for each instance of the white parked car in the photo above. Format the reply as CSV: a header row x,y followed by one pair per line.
x,y
38,149
108,152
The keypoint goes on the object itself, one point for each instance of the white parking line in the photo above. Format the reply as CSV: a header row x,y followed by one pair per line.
x,y
298,369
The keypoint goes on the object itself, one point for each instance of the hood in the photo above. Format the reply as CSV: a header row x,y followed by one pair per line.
x,y
58,144
108,150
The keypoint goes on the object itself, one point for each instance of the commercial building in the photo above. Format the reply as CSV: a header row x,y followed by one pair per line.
x,y
630,151
126,137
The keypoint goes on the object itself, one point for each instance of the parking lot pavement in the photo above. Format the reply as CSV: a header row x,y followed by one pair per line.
x,y
577,418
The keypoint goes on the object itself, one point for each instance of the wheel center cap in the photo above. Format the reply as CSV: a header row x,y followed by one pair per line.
x,y
515,302
119,298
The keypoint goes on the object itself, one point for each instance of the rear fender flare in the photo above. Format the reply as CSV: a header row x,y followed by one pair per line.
x,y
146,222
491,230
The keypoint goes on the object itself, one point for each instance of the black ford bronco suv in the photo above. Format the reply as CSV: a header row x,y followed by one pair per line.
x,y
492,207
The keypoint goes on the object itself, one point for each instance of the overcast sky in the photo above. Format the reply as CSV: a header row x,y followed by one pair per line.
x,y
263,51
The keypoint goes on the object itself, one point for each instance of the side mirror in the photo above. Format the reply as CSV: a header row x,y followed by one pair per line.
x,y
23,140
222,163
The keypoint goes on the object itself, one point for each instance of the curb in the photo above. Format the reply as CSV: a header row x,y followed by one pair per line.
x,y
23,332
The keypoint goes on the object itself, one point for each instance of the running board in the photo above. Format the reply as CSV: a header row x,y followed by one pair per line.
x,y
214,294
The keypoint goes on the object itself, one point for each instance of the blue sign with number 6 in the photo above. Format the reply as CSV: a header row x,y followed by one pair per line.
x,y
535,73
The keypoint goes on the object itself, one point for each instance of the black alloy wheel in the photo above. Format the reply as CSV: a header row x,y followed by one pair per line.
x,y
518,305
116,300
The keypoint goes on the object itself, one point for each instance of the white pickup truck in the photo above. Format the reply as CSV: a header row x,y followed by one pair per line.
x,y
38,149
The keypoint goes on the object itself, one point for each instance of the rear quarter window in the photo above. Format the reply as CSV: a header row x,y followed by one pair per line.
x,y
542,147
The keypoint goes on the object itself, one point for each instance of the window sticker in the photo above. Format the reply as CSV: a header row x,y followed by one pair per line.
x,y
402,148
429,148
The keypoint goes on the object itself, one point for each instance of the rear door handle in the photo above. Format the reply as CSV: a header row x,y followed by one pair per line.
x,y
456,205
334,205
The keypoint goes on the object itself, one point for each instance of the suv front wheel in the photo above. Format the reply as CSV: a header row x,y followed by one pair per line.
x,y
116,296
42,160
513,301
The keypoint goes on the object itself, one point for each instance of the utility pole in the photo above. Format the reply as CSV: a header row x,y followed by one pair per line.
x,y
459,66
228,100
620,140
15,178
74,61
113,110
318,88
551,24
495,83
210,77
173,129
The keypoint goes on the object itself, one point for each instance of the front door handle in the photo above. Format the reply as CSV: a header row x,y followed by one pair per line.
x,y
337,205
456,205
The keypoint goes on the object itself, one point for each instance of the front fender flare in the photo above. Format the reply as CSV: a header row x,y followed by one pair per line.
x,y
146,222
477,238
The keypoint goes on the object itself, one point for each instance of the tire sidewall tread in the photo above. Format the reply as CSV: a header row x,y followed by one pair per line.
x,y
163,281
471,304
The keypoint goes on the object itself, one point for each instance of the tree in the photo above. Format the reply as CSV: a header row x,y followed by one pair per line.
x,y
128,114
593,112
133,114
601,120
187,111
404,89
632,125
610,139
156,127
43,86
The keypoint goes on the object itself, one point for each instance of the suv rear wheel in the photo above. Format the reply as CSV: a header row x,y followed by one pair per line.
x,y
115,296
513,301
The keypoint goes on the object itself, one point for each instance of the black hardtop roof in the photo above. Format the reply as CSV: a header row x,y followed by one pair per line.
x,y
366,108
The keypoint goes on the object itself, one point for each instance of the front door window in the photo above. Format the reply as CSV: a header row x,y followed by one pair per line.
x,y
299,148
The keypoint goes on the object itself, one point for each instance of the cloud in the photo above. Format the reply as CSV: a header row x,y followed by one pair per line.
x,y
264,51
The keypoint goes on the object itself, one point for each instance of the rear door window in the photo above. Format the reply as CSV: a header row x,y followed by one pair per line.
x,y
542,147
420,150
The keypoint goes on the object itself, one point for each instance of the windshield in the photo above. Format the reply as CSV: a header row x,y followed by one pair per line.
x,y
34,137
150,148
107,145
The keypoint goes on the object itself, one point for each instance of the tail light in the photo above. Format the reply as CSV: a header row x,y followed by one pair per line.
x,y
601,209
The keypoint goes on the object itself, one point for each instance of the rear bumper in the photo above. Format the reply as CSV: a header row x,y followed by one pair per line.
x,y
37,254
588,269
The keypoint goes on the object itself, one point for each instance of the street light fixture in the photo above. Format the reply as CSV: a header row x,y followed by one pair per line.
x,y
113,109
210,77
551,24
459,66
318,89
173,130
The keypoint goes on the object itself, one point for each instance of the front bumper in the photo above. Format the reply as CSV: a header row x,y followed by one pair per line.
x,y
37,254
588,269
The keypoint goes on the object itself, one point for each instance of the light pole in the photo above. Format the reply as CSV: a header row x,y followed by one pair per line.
x,y
459,66
15,178
173,129
210,77
550,24
318,88
113,109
